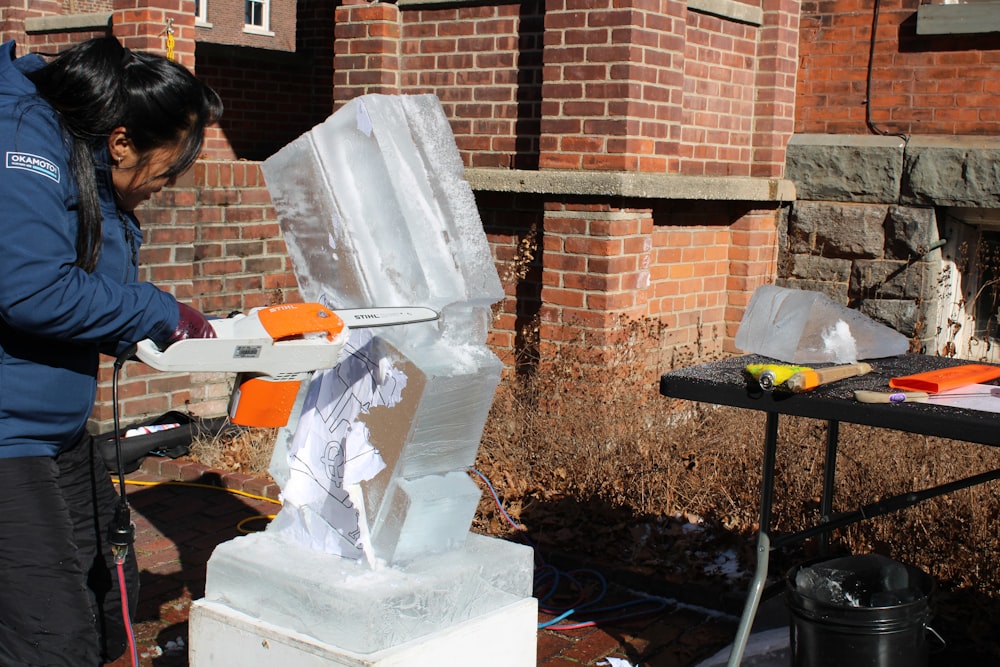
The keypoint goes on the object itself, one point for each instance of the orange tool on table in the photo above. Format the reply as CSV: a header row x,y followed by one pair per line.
x,y
944,379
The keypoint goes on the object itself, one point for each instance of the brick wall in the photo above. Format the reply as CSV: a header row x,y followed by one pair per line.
x,y
704,270
86,6
50,43
484,63
366,50
576,270
146,26
613,85
271,97
934,84
719,83
265,108
777,66
649,86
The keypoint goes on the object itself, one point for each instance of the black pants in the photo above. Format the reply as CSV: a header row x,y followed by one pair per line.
x,y
59,593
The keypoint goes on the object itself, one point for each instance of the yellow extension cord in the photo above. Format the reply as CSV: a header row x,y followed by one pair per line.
x,y
245,494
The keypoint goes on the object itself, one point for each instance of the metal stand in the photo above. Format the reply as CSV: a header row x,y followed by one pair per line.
x,y
763,542
828,521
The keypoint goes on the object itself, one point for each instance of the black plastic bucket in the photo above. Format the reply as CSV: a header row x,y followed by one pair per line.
x,y
862,628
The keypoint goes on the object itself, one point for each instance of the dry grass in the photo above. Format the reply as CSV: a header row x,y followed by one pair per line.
x,y
237,450
616,475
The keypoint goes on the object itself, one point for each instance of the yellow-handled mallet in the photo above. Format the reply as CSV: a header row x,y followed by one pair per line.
x,y
769,376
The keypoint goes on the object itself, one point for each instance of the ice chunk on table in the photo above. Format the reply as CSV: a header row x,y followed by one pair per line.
x,y
805,327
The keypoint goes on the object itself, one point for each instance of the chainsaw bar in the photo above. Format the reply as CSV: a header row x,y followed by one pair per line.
x,y
361,318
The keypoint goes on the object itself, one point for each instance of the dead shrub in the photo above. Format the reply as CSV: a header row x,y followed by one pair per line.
x,y
600,438
246,450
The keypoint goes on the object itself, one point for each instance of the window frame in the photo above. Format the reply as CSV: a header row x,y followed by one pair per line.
x,y
967,323
264,27
201,13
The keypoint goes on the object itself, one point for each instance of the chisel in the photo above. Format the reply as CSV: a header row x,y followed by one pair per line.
x,y
863,396
815,377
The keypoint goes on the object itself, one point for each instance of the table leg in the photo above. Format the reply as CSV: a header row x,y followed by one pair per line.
x,y
829,475
763,542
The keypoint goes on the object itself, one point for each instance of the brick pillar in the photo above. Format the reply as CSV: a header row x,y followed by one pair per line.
x,y
595,272
777,66
143,25
366,50
613,85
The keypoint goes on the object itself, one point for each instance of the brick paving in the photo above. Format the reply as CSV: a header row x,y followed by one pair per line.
x,y
179,523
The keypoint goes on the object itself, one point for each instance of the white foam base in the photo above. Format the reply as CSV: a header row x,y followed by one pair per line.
x,y
505,637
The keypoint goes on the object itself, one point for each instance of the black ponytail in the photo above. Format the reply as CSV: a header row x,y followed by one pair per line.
x,y
99,85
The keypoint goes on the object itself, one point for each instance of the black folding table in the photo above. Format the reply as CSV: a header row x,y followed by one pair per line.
x,y
726,382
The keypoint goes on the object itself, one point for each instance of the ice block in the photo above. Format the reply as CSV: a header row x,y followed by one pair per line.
x,y
805,327
345,603
375,212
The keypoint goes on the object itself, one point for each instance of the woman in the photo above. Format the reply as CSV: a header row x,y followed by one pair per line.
x,y
86,137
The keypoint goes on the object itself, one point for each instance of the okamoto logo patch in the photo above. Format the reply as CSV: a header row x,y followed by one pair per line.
x,y
35,163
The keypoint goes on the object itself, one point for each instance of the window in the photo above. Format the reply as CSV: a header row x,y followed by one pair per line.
x,y
986,300
257,15
201,12
968,286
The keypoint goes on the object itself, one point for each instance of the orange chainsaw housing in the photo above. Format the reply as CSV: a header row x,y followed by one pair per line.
x,y
267,401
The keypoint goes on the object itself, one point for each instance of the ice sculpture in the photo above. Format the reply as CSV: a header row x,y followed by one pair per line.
x,y
370,560
375,211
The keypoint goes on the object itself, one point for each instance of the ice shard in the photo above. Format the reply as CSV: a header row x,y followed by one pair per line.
x,y
371,560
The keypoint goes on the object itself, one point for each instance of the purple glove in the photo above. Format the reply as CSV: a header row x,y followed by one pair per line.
x,y
192,324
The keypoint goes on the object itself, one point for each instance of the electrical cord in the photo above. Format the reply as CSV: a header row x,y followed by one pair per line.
x,y
552,583
872,127
241,526
121,532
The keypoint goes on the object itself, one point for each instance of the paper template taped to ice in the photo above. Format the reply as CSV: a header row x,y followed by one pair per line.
x,y
330,452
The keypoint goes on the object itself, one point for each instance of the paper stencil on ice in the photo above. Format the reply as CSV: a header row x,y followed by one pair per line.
x,y
330,450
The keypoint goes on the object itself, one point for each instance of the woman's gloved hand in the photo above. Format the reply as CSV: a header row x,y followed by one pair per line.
x,y
192,324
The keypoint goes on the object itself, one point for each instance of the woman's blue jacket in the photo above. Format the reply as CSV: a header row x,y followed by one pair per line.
x,y
55,318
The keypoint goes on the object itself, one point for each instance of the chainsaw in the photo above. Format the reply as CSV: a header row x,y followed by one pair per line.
x,y
273,350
